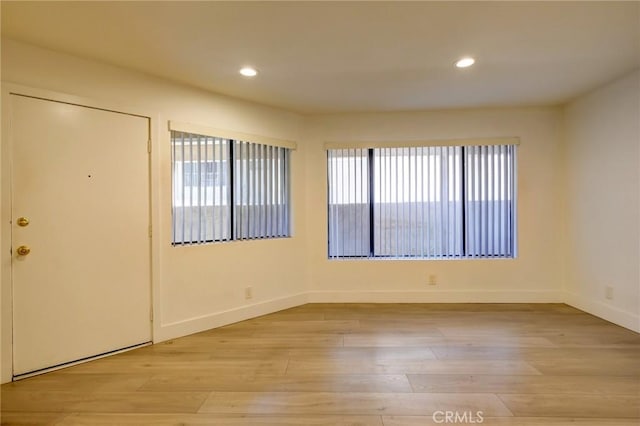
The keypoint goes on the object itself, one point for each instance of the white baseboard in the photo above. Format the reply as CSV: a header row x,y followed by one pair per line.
x,y
461,296
219,319
604,311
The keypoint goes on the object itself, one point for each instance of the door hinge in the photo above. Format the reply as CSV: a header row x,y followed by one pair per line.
x,y
149,146
150,231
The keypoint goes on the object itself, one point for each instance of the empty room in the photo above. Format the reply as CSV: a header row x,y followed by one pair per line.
x,y
375,213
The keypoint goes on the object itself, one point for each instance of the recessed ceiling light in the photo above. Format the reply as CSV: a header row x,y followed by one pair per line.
x,y
465,62
248,72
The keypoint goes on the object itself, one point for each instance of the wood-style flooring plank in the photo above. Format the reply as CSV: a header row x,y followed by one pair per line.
x,y
288,327
60,381
201,346
540,329
597,340
392,340
272,340
154,366
30,419
507,421
566,405
349,366
588,366
362,353
352,403
119,402
289,383
216,420
596,354
531,384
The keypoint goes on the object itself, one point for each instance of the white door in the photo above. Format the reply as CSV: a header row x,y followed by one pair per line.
x,y
80,177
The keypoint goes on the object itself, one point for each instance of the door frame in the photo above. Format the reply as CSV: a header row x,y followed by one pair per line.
x,y
6,161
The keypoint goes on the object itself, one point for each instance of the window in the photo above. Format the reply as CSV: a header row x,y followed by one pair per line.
x,y
228,189
422,202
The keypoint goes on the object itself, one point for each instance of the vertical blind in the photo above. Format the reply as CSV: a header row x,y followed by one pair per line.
x,y
422,202
201,191
261,191
490,201
225,189
348,171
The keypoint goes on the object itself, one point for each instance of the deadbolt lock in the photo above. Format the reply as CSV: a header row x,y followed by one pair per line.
x,y
22,221
23,250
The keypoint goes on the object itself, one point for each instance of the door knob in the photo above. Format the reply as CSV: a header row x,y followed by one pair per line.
x,y
23,250
22,221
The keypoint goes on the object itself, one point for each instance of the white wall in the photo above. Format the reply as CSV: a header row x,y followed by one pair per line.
x,y
533,277
195,287
602,201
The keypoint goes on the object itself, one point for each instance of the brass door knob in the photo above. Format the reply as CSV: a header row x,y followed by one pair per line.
x,y
22,221
23,250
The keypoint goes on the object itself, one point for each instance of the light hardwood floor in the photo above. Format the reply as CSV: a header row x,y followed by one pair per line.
x,y
358,364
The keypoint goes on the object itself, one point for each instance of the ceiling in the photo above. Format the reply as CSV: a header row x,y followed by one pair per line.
x,y
319,57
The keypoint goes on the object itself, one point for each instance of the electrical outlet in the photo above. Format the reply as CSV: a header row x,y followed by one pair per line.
x,y
433,279
608,292
248,293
